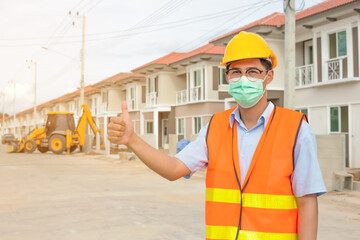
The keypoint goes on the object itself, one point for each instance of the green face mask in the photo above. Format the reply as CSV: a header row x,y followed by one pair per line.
x,y
246,93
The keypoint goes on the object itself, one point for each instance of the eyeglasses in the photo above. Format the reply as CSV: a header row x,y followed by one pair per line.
x,y
234,74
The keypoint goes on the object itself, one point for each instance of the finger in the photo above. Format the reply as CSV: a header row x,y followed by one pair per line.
x,y
117,120
113,133
116,126
124,109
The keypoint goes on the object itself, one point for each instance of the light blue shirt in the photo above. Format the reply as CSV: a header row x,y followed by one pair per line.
x,y
306,177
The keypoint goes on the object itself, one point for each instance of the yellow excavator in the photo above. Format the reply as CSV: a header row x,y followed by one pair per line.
x,y
58,135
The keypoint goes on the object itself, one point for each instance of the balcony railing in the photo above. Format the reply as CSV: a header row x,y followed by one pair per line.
x,y
181,97
305,75
336,68
195,94
151,99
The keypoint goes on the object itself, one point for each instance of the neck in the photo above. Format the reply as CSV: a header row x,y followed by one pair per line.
x,y
250,116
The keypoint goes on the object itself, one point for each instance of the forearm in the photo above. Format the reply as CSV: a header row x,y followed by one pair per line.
x,y
167,166
308,217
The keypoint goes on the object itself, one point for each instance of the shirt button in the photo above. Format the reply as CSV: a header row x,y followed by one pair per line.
x,y
247,134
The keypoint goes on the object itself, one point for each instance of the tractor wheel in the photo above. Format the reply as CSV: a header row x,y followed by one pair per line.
x,y
73,148
57,144
30,146
42,149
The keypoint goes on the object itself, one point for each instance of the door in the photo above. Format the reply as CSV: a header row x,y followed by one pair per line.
x,y
165,133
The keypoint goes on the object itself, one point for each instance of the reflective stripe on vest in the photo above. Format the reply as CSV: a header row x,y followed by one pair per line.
x,y
251,199
229,233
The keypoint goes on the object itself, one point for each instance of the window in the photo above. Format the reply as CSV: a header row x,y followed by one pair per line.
x,y
94,105
222,78
339,119
105,97
308,52
337,44
152,85
197,78
196,85
131,98
149,127
303,110
180,126
197,125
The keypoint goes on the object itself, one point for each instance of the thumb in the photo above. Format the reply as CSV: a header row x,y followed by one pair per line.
x,y
124,109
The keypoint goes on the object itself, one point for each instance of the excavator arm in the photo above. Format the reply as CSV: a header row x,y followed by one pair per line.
x,y
81,127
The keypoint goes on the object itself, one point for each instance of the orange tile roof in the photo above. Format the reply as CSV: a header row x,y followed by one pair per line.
x,y
274,19
278,19
25,111
119,77
87,89
206,49
167,59
321,7
176,57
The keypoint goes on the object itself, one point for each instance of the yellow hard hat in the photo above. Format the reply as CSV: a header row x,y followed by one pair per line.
x,y
248,45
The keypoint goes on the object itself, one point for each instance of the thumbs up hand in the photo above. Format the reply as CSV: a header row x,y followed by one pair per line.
x,y
120,129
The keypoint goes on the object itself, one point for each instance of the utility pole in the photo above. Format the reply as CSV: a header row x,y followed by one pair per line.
x,y
82,80
289,78
3,113
35,80
14,108
82,63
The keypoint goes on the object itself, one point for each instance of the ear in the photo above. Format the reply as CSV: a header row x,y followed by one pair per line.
x,y
269,77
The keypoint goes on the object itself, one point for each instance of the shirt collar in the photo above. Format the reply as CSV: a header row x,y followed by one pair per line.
x,y
263,118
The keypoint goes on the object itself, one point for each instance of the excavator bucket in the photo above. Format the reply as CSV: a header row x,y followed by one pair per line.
x,y
12,147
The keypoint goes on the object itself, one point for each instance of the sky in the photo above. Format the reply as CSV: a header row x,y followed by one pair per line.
x,y
119,36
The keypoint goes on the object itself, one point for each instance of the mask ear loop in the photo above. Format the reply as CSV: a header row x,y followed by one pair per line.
x,y
265,83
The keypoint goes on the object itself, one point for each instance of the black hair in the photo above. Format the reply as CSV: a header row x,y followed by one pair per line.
x,y
266,64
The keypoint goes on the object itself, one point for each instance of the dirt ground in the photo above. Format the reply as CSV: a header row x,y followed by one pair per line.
x,y
46,196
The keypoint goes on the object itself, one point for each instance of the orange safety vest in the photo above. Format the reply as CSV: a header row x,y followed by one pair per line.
x,y
264,207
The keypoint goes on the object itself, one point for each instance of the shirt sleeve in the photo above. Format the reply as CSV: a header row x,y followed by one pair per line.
x,y
306,177
195,154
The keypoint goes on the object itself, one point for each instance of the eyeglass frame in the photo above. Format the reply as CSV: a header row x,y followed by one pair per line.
x,y
246,72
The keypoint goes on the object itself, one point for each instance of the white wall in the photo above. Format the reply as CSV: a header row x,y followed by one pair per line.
x,y
168,85
211,94
319,120
139,86
331,157
333,94
355,135
114,100
150,139
277,46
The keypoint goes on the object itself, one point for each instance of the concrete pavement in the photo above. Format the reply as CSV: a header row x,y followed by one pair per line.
x,y
46,196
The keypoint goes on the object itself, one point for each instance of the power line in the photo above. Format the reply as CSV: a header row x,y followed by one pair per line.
x,y
91,7
228,22
145,29
183,21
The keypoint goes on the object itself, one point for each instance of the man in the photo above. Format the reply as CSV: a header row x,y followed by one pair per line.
x,y
263,177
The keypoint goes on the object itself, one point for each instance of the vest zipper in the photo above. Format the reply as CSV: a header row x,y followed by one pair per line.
x,y
237,179
239,184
